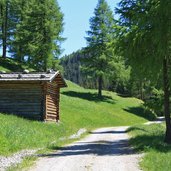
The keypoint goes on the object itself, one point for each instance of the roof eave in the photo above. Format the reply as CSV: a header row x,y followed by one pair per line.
x,y
54,76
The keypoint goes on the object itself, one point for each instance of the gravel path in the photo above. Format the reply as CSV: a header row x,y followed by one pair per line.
x,y
105,149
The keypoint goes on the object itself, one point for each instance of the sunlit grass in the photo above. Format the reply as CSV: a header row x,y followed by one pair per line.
x,y
11,65
80,108
149,139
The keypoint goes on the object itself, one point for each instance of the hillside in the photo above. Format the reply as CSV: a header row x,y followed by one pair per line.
x,y
80,108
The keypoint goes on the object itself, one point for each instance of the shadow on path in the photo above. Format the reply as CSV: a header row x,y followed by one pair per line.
x,y
99,148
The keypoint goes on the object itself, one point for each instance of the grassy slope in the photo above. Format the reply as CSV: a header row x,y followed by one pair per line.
x,y
10,65
80,108
149,139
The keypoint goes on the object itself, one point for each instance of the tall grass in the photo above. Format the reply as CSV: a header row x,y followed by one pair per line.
x,y
17,133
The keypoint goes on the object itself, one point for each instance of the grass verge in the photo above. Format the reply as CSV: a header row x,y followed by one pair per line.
x,y
26,164
149,139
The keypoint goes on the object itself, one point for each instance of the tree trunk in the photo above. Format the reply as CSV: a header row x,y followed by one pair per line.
x,y
100,80
141,90
4,30
166,101
20,53
2,24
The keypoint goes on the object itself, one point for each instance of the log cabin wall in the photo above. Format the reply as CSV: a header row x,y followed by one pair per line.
x,y
34,95
52,101
21,99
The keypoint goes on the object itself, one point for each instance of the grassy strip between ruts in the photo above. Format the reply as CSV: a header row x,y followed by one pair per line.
x,y
149,139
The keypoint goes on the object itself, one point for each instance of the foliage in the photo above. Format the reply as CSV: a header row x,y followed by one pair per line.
x,y
149,139
112,110
100,34
33,31
56,66
72,65
155,102
5,25
118,78
142,36
145,36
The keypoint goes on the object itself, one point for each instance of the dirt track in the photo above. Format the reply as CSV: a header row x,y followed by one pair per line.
x,y
105,149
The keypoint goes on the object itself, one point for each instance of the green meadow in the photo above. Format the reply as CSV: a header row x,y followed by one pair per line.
x,y
79,108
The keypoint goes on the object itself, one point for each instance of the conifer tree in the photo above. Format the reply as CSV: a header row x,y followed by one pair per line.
x,y
31,31
145,37
4,26
37,35
18,46
100,34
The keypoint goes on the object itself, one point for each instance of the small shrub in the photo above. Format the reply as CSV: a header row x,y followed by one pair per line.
x,y
155,102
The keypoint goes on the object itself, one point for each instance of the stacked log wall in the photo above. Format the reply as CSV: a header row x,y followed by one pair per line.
x,y
21,99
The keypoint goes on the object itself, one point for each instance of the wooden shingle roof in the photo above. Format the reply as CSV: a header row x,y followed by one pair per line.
x,y
41,76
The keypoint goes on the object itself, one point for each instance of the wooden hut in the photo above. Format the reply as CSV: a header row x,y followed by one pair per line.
x,y
31,95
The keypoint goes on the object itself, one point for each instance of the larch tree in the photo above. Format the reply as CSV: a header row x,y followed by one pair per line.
x,y
100,34
4,26
31,31
145,39
18,46
38,35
